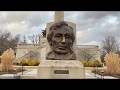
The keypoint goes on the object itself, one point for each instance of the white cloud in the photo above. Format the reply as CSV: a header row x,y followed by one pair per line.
x,y
91,27
16,28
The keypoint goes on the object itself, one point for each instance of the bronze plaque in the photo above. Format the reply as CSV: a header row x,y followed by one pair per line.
x,y
61,71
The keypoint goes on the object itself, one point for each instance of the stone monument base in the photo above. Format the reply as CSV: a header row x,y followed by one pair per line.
x,y
61,69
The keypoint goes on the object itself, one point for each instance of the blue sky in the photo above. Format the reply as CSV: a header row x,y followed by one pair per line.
x,y
91,26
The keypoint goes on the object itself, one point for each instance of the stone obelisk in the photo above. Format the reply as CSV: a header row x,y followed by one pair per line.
x,y
59,16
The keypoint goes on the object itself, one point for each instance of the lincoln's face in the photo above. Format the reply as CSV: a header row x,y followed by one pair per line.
x,y
62,40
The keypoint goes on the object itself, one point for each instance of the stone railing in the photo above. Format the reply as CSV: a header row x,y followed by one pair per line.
x,y
34,54
80,51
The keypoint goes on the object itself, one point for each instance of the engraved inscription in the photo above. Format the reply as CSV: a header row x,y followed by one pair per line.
x,y
61,71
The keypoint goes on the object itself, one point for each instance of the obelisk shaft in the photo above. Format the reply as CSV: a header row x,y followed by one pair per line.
x,y
59,16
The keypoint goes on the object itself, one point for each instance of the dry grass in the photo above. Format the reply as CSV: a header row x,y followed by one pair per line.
x,y
112,63
7,59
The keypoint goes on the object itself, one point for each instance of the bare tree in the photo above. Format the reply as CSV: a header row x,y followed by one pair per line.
x,y
35,39
4,41
14,41
32,39
7,41
110,45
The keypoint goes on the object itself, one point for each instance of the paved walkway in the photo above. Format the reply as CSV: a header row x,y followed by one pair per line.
x,y
12,76
33,73
88,74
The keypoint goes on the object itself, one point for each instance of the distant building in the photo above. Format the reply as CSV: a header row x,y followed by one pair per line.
x,y
83,51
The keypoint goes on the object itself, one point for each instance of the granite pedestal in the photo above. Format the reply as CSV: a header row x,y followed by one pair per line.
x,y
61,69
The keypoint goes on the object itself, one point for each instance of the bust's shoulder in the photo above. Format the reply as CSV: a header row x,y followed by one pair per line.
x,y
50,55
73,56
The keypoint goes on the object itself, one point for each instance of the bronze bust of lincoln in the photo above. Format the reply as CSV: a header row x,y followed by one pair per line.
x,y
61,38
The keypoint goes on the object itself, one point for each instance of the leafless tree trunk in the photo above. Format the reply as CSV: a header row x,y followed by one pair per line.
x,y
7,41
35,39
